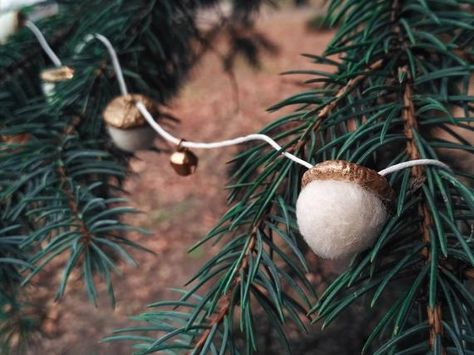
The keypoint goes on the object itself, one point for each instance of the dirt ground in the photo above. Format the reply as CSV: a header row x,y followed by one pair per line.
x,y
179,211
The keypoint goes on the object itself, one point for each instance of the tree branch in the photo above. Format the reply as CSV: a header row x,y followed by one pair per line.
x,y
226,300
72,204
417,172
342,92
330,106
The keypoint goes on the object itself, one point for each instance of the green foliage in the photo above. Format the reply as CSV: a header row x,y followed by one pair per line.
x,y
60,175
402,76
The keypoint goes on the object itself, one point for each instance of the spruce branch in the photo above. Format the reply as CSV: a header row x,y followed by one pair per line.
x,y
361,115
224,303
417,172
405,73
243,275
343,91
83,230
61,184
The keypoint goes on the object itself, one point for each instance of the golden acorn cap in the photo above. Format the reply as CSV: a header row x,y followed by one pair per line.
x,y
341,170
20,138
122,113
55,75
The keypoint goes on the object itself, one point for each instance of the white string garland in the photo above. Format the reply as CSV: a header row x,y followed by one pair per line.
x,y
43,43
412,163
113,57
202,145
174,140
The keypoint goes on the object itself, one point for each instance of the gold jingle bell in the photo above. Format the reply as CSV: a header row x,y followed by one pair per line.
x,y
183,161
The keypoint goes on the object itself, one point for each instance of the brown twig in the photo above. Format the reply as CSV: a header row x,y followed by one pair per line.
x,y
342,92
469,273
226,300
434,313
71,201
217,318
410,125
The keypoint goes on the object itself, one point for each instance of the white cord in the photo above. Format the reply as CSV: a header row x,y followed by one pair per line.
x,y
412,163
43,43
201,145
113,56
170,138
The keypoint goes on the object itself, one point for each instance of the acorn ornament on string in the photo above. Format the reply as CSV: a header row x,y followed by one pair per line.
x,y
52,76
10,22
126,126
342,207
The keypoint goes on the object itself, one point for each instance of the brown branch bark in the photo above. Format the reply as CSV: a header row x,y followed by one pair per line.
x,y
469,273
342,92
217,318
434,314
71,201
226,300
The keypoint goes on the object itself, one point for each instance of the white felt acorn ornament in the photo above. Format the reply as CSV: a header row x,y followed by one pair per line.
x,y
127,127
10,22
342,207
50,77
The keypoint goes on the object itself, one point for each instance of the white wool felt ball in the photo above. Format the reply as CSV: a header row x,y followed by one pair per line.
x,y
132,139
8,25
339,218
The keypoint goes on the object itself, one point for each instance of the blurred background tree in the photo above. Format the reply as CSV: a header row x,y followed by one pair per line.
x,y
395,87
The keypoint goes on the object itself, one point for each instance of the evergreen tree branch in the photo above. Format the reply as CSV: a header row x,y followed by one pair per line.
x,y
224,303
417,172
61,183
343,91
359,115
403,74
71,201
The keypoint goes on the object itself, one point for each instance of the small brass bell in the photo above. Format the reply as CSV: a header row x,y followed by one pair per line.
x,y
183,161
